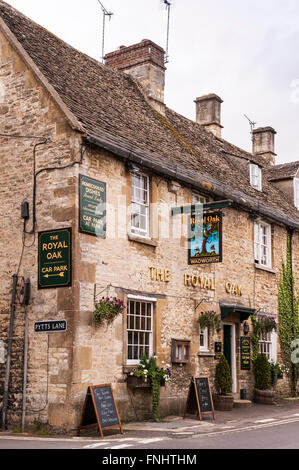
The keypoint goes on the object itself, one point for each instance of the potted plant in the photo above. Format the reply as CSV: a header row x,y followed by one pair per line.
x,y
223,399
262,375
150,373
277,371
210,320
107,310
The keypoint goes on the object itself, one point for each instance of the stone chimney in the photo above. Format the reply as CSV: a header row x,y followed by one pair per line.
x,y
208,113
145,62
263,144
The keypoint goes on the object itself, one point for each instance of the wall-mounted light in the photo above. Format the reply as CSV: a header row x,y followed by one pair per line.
x,y
245,328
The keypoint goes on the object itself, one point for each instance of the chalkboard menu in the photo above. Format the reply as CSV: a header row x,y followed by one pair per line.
x,y
92,206
100,407
204,395
199,397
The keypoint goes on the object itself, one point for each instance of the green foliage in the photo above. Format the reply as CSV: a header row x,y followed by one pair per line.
x,y
255,338
107,310
262,372
210,320
288,315
148,369
277,371
223,379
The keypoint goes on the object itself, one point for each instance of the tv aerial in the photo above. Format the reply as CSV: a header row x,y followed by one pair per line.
x,y
252,125
108,14
168,5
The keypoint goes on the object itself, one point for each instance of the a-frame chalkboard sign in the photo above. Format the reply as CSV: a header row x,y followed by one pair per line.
x,y
100,407
199,398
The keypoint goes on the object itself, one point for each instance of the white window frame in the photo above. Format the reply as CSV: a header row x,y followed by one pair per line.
x,y
204,333
198,199
139,300
296,192
140,204
262,250
255,176
268,345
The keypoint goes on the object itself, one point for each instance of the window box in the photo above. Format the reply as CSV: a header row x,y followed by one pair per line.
x,y
180,351
137,382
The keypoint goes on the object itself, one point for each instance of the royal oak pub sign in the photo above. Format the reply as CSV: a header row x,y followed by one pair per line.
x,y
55,258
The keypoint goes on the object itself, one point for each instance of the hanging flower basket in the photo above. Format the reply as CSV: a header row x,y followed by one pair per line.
x,y
210,320
266,324
107,310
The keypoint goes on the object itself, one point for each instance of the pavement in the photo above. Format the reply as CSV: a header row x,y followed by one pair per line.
x,y
244,416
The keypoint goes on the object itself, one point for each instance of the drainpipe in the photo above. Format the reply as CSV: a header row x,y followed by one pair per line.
x,y
25,371
9,348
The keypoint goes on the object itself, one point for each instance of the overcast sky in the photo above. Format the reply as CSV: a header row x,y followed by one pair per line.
x,y
246,51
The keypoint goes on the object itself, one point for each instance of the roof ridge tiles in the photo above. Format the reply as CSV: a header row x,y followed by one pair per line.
x,y
100,100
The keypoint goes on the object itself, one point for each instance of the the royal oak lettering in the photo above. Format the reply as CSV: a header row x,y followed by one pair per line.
x,y
54,259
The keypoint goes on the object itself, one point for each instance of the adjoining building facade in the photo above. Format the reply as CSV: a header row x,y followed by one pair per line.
x,y
127,199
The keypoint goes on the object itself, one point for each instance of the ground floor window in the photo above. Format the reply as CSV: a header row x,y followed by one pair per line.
x,y
204,339
267,345
139,330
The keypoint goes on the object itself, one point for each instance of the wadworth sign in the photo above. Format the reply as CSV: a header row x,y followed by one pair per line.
x,y
55,258
205,242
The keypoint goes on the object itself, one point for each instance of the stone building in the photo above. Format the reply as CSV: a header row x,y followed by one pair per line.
x,y
110,174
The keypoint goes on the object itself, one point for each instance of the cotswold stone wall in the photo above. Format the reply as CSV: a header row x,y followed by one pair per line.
x,y
61,366
120,265
27,109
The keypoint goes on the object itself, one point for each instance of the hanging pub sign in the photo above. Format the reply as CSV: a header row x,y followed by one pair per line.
x,y
218,350
55,258
245,352
205,240
92,206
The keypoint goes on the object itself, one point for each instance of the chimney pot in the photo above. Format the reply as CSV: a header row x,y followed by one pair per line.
x,y
263,144
208,113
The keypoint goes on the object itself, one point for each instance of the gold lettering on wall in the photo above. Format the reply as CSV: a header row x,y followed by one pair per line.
x,y
199,281
159,274
234,289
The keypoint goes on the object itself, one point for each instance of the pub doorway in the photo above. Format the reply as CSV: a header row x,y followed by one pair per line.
x,y
229,351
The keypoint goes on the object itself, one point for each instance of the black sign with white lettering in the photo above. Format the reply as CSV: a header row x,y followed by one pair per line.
x,y
199,398
50,326
204,394
100,406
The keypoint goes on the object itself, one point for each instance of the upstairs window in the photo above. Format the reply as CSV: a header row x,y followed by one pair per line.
x,y
255,176
140,205
198,199
296,192
262,244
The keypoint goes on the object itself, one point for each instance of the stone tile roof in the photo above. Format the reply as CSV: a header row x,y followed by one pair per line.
x,y
110,106
283,171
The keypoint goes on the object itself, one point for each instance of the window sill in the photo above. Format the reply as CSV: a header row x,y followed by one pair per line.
x,y
264,268
145,241
206,354
127,369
